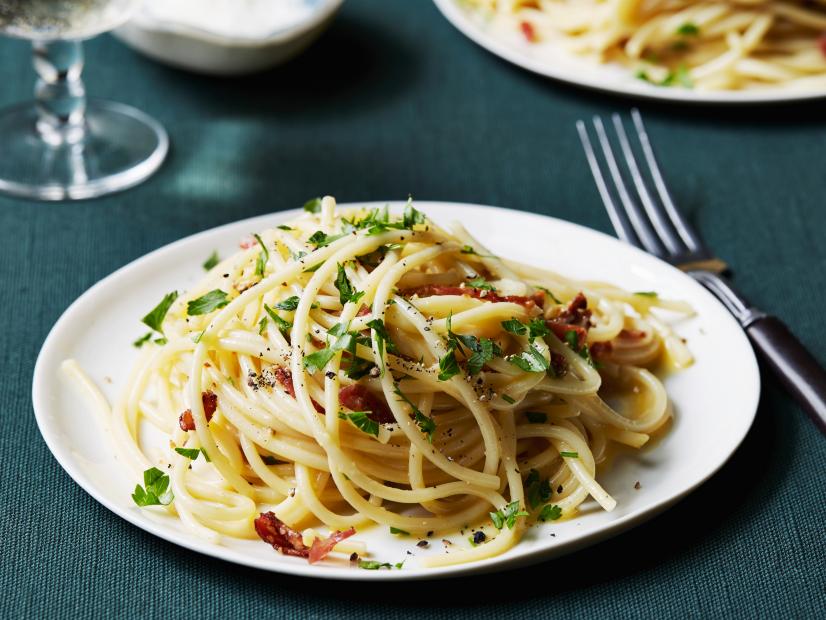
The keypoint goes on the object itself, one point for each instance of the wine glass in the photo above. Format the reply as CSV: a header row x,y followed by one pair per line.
x,y
63,146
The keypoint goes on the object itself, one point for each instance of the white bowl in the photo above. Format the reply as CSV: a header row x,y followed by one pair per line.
x,y
196,49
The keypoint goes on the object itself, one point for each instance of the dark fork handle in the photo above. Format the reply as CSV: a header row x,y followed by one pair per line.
x,y
793,365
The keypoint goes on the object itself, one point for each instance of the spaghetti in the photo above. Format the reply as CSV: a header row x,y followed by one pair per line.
x,y
702,44
353,368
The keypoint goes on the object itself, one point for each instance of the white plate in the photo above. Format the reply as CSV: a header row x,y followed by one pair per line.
x,y
715,400
557,63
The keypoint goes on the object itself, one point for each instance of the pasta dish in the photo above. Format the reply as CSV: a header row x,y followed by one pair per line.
x,y
702,44
357,368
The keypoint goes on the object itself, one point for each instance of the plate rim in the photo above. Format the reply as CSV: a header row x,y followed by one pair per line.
x,y
488,565
458,17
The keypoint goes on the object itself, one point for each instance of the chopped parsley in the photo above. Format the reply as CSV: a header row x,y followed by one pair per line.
x,y
142,340
481,350
313,205
346,291
192,453
551,512
320,239
514,327
284,227
480,283
508,399
426,425
157,491
536,417
283,326
361,422
572,340
345,341
290,304
570,455
536,491
213,260
531,360
154,320
397,531
263,257
688,29
507,515
448,366
262,326
411,216
207,303
382,338
550,294
652,294
375,565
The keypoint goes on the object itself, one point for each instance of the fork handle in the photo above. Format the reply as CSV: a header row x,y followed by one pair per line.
x,y
796,368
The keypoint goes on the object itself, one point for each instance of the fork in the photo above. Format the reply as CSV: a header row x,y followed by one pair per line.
x,y
651,220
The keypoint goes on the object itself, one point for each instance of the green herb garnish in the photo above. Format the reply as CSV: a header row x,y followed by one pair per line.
x,y
211,261
570,455
192,453
154,320
346,291
313,205
536,417
507,515
157,491
514,327
263,257
207,303
508,399
550,512
345,341
647,294
688,29
426,425
481,284
536,491
531,360
552,296
397,531
142,340
361,421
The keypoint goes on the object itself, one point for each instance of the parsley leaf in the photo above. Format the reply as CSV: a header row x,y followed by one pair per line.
x,y
507,515
284,227
652,294
154,320
382,340
211,261
550,512
536,417
395,530
263,257
192,453
508,399
345,341
572,340
411,216
550,294
313,205
376,565
283,325
346,291
570,455
320,239
426,425
262,326
484,351
142,340
536,491
207,303
538,329
481,352
290,304
514,327
448,366
361,422
157,491
481,284
688,29
531,360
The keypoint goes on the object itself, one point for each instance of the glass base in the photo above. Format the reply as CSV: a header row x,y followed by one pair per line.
x,y
120,147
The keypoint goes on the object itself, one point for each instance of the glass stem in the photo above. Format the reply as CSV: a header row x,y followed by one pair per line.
x,y
59,92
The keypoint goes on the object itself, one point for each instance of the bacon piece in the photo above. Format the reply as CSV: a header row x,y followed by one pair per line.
x,y
321,548
575,317
210,402
284,377
282,537
429,290
528,30
358,398
559,364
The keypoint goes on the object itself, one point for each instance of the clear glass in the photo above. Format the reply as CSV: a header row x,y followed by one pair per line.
x,y
63,146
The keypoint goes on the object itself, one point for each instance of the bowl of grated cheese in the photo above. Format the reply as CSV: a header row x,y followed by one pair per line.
x,y
226,37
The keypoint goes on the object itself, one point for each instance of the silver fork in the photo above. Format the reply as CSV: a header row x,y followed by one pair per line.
x,y
649,219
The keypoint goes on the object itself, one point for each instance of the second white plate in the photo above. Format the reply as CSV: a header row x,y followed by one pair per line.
x,y
555,62
714,400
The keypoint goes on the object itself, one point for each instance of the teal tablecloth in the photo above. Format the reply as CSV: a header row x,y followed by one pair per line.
x,y
394,101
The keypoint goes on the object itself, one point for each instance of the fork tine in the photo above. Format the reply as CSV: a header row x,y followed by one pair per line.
x,y
618,219
684,229
656,214
639,222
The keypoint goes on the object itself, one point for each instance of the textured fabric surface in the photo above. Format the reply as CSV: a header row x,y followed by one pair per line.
x,y
392,100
